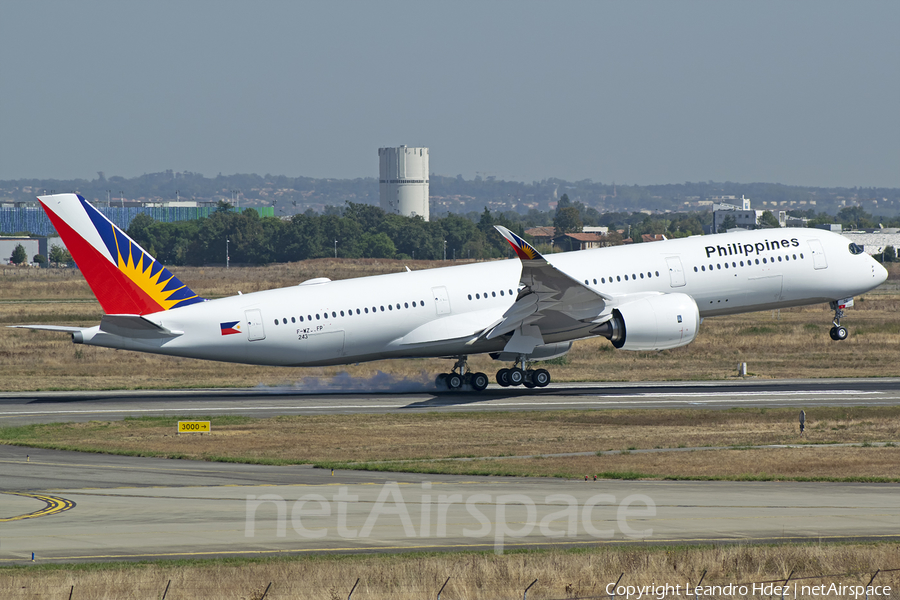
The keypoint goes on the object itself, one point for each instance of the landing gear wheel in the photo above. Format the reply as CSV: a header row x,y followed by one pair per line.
x,y
540,377
516,376
441,381
503,377
479,381
454,381
839,334
529,383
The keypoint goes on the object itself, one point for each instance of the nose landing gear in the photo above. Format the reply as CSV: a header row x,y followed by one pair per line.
x,y
520,375
837,332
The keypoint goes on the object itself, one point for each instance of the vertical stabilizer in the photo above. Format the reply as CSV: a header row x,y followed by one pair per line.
x,y
122,275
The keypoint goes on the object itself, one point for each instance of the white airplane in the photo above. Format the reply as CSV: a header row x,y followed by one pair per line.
x,y
648,296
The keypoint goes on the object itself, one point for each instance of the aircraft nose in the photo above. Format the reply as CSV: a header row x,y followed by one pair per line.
x,y
881,273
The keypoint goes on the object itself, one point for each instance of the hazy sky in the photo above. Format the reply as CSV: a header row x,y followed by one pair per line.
x,y
803,93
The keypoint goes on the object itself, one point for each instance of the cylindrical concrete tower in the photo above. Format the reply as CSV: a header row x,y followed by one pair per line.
x,y
403,180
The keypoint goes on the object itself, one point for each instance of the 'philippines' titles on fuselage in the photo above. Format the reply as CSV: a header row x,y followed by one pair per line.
x,y
732,249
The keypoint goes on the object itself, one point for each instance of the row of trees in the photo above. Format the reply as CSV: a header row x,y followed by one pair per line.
x,y
360,231
58,256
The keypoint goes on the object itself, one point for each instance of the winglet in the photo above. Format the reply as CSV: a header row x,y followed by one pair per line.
x,y
523,249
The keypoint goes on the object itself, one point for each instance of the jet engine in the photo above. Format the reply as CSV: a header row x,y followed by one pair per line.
x,y
653,323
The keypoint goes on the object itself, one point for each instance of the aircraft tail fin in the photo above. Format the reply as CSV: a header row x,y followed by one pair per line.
x,y
122,275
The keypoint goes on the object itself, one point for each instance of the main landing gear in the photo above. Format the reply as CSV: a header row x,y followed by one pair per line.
x,y
460,376
837,332
520,375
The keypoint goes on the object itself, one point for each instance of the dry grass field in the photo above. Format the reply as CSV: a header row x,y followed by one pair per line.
x,y
560,574
494,440
786,343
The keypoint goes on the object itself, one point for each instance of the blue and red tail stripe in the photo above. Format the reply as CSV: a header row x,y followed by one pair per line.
x,y
125,278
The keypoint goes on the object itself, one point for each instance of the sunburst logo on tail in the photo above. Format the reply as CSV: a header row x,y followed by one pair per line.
x,y
142,270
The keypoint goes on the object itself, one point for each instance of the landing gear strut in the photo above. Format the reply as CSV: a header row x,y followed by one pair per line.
x,y
521,375
837,332
460,375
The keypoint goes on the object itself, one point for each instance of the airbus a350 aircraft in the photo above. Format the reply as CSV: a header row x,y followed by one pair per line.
x,y
641,297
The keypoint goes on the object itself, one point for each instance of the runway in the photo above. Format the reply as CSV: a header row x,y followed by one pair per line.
x,y
125,508
48,407
65,506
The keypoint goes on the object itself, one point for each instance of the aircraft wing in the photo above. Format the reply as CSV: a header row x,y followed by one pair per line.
x,y
548,297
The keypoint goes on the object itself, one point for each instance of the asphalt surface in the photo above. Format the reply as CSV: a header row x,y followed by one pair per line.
x,y
66,506
344,397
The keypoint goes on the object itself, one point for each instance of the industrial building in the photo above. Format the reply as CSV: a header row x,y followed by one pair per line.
x,y
744,216
403,181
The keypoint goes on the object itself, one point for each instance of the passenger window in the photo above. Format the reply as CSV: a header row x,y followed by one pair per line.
x,y
719,266
801,255
470,296
478,296
276,321
333,314
405,305
642,275
367,310
626,278
382,309
317,317
657,273
501,292
757,261
779,259
414,302
301,318
390,307
293,320
633,276
285,321
342,313
695,269
595,282
702,267
493,294
795,257
764,261
742,263
603,280
618,278
357,311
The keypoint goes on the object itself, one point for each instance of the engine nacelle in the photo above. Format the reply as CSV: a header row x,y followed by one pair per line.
x,y
653,323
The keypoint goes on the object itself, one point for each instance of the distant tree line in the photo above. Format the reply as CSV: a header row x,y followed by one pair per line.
x,y
359,231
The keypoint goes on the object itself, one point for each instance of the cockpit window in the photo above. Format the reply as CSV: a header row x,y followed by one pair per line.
x,y
856,249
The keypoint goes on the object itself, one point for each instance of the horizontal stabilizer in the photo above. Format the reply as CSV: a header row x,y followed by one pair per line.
x,y
134,326
57,328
